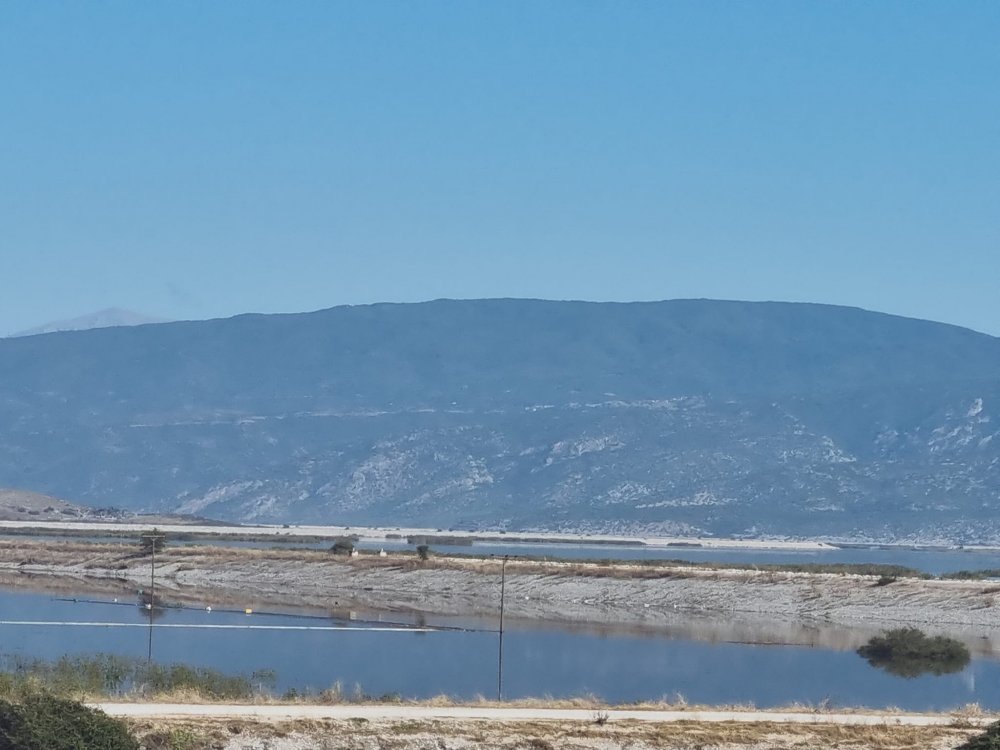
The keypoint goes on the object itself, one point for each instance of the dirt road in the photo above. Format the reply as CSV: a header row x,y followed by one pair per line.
x,y
383,727
378,712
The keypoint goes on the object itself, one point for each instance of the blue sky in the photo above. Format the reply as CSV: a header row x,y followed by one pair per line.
x,y
195,160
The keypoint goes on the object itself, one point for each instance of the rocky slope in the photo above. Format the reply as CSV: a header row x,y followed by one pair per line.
x,y
688,416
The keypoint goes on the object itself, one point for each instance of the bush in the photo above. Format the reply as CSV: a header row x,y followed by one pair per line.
x,y
110,675
343,546
908,652
423,551
41,721
988,740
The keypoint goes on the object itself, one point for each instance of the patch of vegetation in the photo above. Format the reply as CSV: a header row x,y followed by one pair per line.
x,y
909,652
343,546
174,739
423,551
641,566
111,675
42,721
988,740
972,575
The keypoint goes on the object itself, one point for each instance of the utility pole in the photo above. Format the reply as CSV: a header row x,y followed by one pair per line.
x,y
503,584
153,538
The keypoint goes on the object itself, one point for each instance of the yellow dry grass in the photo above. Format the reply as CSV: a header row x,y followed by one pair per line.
x,y
415,735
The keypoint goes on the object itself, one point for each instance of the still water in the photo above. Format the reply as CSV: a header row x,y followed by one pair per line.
x,y
463,663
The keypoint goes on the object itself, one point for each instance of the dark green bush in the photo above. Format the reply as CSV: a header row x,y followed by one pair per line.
x,y
988,740
343,546
42,721
908,652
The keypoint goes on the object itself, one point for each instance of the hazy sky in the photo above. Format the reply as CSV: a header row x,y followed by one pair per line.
x,y
202,159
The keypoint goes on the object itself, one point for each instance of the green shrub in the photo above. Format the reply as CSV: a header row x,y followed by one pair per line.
x,y
988,740
423,551
41,721
908,652
109,675
343,546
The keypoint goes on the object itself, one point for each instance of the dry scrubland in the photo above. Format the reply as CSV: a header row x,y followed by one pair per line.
x,y
360,734
726,604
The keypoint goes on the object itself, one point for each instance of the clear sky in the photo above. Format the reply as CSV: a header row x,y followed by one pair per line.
x,y
202,159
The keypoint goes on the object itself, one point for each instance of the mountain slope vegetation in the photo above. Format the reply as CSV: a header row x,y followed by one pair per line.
x,y
687,416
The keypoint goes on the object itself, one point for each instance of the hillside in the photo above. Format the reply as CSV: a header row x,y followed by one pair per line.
x,y
17,505
689,416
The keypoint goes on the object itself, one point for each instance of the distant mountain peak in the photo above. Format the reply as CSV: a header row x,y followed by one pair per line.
x,y
110,317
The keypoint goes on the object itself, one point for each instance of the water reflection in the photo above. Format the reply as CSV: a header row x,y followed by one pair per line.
x,y
909,653
619,667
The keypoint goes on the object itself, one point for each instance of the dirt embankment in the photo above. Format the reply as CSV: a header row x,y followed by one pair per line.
x,y
792,607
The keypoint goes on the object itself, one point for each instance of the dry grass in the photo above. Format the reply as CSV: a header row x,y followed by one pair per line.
x,y
969,715
808,736
416,735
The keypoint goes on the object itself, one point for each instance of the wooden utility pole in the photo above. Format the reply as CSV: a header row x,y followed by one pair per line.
x,y
154,538
503,584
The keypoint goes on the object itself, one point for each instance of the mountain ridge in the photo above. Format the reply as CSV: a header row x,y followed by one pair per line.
x,y
690,416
